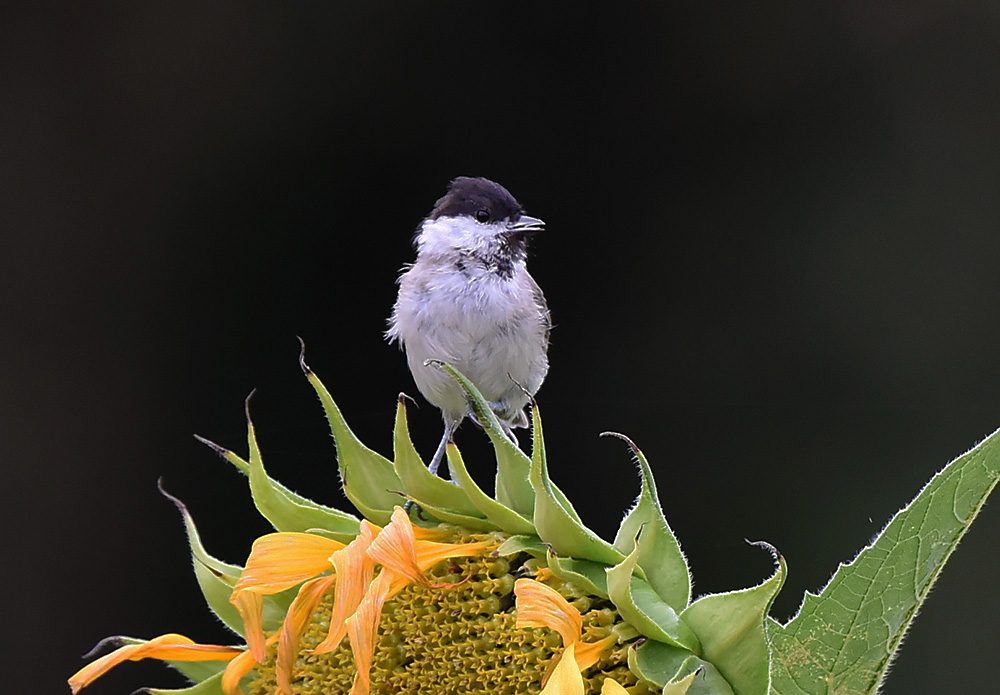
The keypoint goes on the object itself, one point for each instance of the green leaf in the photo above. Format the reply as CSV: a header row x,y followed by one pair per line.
x,y
369,479
661,558
505,519
555,524
732,632
590,576
844,639
513,488
284,509
420,485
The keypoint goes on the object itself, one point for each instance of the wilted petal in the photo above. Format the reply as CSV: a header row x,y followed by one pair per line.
x,y
355,570
566,678
250,605
395,548
164,647
362,628
279,561
296,620
589,653
239,667
612,687
539,605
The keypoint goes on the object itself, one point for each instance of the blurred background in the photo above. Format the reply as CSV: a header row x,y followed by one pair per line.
x,y
772,260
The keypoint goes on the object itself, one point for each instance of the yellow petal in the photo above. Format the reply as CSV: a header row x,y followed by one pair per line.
x,y
429,554
539,605
362,627
399,553
296,620
171,646
612,687
589,653
239,667
279,561
395,547
565,678
355,570
250,605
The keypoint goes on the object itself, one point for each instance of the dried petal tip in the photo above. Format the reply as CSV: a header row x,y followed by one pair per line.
x,y
220,450
177,503
302,356
625,439
246,405
112,642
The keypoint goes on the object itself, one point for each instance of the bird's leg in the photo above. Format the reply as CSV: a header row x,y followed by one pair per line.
x,y
449,430
509,431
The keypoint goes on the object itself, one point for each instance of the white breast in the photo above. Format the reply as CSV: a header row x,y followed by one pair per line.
x,y
488,327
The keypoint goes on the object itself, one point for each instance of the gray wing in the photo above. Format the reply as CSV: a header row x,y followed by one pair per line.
x,y
543,308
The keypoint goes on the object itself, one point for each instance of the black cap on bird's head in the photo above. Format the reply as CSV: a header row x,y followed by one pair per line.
x,y
485,201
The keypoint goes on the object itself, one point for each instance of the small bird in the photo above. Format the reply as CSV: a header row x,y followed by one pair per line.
x,y
469,301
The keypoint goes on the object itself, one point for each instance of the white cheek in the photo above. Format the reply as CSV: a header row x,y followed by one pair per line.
x,y
446,235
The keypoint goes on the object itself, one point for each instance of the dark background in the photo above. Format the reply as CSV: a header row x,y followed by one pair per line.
x,y
771,257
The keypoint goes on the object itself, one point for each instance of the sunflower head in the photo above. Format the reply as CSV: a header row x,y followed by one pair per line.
x,y
478,593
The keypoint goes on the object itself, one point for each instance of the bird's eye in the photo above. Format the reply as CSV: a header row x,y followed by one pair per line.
x,y
483,216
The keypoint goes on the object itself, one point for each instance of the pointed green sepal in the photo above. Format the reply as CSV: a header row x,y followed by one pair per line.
x,y
506,519
289,508
215,577
284,509
661,558
209,686
640,605
282,512
731,629
472,523
522,544
676,670
702,679
555,525
369,479
216,580
513,489
588,575
657,662
422,486
844,639
682,686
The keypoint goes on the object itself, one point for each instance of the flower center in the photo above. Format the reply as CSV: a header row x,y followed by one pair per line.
x,y
461,640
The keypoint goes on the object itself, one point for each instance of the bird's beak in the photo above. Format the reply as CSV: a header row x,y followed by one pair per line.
x,y
525,225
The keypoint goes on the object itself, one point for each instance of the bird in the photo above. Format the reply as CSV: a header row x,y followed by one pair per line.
x,y
469,301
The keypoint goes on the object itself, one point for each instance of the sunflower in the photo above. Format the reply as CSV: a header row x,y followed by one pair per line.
x,y
470,593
